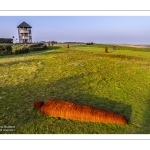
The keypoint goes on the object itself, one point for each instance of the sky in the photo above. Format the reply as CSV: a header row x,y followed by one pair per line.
x,y
97,29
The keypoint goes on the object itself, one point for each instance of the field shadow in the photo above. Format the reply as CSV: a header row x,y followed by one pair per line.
x,y
70,89
20,107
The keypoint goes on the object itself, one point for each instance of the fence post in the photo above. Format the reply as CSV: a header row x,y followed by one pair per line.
x,y
114,47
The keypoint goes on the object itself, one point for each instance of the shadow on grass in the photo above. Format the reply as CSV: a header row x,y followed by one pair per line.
x,y
18,109
70,89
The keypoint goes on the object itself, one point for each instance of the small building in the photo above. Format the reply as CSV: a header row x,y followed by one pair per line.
x,y
24,33
6,40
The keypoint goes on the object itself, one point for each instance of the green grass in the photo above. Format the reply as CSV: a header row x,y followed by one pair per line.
x,y
118,81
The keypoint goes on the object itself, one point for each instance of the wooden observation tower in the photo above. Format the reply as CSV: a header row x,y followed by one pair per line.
x,y
24,33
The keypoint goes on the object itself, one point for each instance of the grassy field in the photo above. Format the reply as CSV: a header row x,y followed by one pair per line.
x,y
118,81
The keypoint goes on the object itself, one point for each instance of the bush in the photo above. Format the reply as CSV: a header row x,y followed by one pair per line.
x,y
44,46
21,51
90,43
5,49
37,46
17,51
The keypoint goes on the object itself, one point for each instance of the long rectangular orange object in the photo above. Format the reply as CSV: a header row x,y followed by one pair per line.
x,y
69,110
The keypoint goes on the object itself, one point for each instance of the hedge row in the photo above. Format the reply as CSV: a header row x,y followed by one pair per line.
x,y
38,46
20,48
90,43
21,51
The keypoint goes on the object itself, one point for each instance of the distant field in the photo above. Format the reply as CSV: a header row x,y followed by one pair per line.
x,y
135,46
118,81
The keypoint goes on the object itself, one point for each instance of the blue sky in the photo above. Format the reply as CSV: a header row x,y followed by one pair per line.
x,y
98,29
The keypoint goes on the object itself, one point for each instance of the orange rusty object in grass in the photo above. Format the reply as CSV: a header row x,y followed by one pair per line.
x,y
69,110
106,50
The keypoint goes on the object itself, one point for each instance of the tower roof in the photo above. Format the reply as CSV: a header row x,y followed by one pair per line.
x,y
24,24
